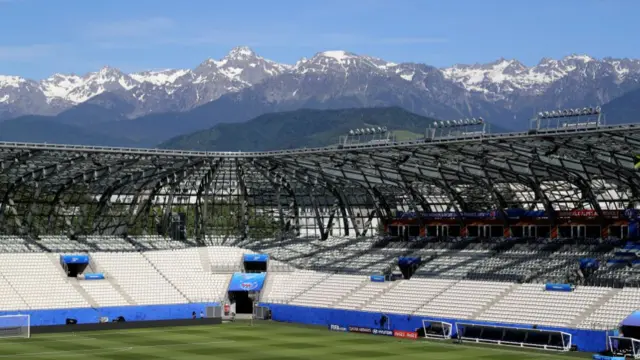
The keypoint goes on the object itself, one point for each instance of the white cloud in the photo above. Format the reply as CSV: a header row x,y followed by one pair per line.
x,y
131,29
26,52
162,31
346,39
290,38
411,40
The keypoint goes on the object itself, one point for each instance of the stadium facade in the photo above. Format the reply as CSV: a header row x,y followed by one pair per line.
x,y
571,182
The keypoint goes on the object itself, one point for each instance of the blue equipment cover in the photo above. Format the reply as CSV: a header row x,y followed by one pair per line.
x,y
74,259
589,263
94,276
377,278
247,282
406,261
256,257
558,287
632,320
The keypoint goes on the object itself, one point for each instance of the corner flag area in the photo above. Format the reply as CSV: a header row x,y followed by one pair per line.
x,y
265,341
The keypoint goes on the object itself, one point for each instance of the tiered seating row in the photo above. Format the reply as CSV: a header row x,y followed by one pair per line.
x,y
183,269
364,295
138,278
531,304
226,258
609,314
463,299
283,287
408,295
330,290
37,280
16,244
103,293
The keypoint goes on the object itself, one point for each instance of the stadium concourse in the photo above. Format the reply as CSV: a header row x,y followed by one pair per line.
x,y
475,226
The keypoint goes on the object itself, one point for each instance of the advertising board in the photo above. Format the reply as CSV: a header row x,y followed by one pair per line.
x,y
405,334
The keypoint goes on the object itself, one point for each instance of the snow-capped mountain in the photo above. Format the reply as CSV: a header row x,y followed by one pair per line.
x,y
20,96
340,61
503,79
504,89
149,91
333,79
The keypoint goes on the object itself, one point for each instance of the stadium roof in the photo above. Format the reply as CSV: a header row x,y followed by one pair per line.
x,y
553,170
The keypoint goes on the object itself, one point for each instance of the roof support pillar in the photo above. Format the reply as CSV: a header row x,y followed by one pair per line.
x,y
319,220
201,215
244,202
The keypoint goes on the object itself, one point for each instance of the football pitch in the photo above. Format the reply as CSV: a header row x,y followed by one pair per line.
x,y
240,340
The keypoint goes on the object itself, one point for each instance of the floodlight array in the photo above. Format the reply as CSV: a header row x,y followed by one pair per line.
x,y
368,131
569,113
458,123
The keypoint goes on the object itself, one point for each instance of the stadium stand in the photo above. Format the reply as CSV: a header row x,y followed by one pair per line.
x,y
109,243
463,299
63,244
138,278
178,275
336,254
330,290
283,287
531,304
183,269
609,313
488,225
226,258
364,295
16,244
103,293
9,297
154,242
38,282
408,295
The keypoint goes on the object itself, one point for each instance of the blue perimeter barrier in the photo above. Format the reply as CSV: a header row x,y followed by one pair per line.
x,y
130,313
585,340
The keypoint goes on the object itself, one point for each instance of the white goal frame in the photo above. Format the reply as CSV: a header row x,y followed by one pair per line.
x,y
635,344
4,328
447,328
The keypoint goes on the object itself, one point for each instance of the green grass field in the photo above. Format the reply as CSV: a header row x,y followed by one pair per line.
x,y
265,340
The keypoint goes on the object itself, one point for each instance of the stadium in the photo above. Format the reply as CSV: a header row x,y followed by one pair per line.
x,y
461,237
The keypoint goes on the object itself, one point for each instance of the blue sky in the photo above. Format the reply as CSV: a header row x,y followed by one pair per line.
x,y
40,37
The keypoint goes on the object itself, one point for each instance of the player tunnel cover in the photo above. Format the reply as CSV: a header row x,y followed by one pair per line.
x,y
247,282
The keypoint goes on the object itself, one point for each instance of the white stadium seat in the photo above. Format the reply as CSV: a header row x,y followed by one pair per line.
x,y
135,275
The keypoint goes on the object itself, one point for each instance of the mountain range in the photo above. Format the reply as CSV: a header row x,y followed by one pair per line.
x,y
148,108
145,92
301,128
